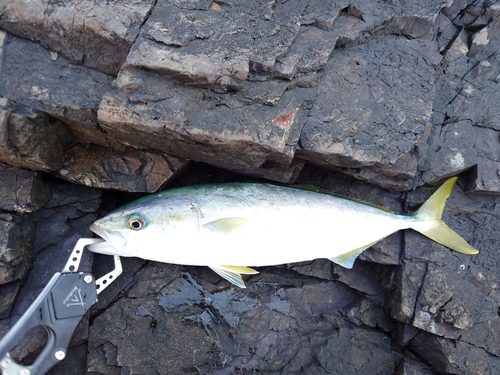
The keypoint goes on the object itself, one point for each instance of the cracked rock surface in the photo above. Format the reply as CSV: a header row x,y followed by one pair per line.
x,y
381,101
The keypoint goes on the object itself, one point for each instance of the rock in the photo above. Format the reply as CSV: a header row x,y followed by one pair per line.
x,y
215,49
454,357
218,71
259,329
67,92
452,151
181,120
21,190
358,104
466,133
277,172
30,139
96,35
8,297
16,243
74,363
130,170
411,366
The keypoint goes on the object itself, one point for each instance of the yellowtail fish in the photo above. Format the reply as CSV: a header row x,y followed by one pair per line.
x,y
229,227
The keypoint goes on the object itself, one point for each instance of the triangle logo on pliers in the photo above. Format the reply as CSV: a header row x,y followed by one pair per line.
x,y
74,298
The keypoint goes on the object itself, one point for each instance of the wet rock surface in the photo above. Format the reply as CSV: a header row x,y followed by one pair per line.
x,y
101,104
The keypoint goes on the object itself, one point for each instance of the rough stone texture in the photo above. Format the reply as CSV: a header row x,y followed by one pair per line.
x,y
127,93
185,121
266,327
373,109
21,190
455,357
236,48
95,34
30,139
130,170
15,247
32,76
466,113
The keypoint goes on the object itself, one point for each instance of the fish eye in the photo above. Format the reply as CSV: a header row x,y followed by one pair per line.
x,y
136,223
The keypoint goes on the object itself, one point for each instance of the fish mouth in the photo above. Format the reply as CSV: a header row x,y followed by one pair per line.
x,y
111,244
95,228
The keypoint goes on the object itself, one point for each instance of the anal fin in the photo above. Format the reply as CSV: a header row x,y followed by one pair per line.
x,y
233,273
347,259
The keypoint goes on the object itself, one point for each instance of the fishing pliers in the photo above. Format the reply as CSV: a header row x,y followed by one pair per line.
x,y
58,308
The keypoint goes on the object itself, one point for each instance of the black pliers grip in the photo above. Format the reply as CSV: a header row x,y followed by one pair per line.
x,y
59,308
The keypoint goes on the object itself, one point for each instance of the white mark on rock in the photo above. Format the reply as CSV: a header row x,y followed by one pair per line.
x,y
485,64
468,89
39,92
481,38
456,159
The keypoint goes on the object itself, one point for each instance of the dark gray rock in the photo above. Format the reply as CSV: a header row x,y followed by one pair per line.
x,y
266,328
30,139
216,48
31,77
370,94
16,243
466,115
94,34
206,126
219,48
22,190
412,366
8,296
453,295
454,357
129,170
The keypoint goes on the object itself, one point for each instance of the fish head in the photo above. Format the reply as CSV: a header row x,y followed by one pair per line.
x,y
122,231
147,226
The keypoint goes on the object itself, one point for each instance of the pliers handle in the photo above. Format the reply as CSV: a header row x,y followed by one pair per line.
x,y
59,308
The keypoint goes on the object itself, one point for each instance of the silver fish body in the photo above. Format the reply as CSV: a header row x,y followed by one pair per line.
x,y
229,227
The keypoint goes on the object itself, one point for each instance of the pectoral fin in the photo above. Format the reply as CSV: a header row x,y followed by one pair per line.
x,y
233,273
347,259
227,225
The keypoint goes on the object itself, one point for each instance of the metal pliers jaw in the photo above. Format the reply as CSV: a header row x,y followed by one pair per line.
x,y
59,308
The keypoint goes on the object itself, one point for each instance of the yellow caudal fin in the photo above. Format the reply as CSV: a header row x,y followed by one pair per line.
x,y
430,224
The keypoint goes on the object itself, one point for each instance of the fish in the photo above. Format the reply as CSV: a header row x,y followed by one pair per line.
x,y
231,227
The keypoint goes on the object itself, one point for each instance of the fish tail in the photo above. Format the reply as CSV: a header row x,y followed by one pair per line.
x,y
429,221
